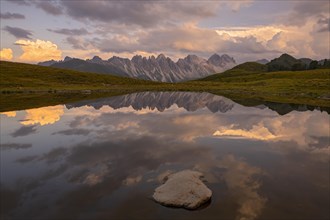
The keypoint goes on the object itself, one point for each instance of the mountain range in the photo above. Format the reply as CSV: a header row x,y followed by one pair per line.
x,y
190,101
287,62
160,68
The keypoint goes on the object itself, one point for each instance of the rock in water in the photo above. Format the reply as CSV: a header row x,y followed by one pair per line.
x,y
183,189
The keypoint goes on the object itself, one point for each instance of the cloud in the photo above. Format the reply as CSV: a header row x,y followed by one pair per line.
x,y
297,41
258,132
262,33
241,183
97,165
6,54
14,146
54,155
49,6
19,2
78,43
27,159
141,13
77,131
11,114
304,11
324,24
43,116
24,131
18,32
129,181
65,31
39,50
237,5
177,28
185,39
9,15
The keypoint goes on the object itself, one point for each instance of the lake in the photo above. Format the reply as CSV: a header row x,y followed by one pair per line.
x,y
102,159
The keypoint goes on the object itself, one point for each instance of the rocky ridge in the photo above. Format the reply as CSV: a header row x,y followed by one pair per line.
x,y
160,68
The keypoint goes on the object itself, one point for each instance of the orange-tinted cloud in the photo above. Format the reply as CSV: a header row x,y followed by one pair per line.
x,y
258,132
6,54
43,116
9,114
39,50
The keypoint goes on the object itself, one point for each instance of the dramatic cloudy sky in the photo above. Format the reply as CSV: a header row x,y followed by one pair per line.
x,y
34,30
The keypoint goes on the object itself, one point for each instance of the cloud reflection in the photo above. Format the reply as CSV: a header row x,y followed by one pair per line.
x,y
106,153
258,132
9,114
43,116
240,180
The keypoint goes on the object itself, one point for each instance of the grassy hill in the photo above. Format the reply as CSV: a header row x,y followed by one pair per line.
x,y
20,76
251,80
42,86
239,70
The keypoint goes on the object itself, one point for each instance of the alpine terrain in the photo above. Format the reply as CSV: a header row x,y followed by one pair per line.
x,y
160,68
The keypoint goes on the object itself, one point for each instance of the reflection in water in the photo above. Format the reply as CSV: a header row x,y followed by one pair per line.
x,y
190,101
9,114
258,132
103,159
43,116
240,181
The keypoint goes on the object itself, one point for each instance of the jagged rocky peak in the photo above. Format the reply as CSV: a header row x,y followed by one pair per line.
x,y
152,58
160,68
214,56
223,60
67,58
136,58
227,58
214,59
161,57
193,59
96,59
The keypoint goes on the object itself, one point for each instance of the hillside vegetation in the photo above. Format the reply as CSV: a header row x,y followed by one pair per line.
x,y
239,70
20,77
248,81
253,80
287,62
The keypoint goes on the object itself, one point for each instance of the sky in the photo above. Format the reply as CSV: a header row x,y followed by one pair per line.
x,y
248,30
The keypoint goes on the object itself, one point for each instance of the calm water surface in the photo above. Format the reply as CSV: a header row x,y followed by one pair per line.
x,y
103,159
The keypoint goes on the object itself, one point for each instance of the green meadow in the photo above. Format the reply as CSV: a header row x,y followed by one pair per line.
x,y
26,86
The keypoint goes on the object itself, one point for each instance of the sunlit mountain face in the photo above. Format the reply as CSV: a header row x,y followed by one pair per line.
x,y
248,30
103,158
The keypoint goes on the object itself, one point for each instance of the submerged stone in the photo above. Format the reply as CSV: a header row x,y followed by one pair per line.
x,y
183,189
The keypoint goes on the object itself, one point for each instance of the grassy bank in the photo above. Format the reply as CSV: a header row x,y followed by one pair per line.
x,y
24,85
251,80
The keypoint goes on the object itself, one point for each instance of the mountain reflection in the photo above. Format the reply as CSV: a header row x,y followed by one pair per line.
x,y
190,101
102,159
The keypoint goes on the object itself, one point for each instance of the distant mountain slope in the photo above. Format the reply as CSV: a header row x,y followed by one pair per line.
x,y
160,68
262,61
284,62
86,66
287,62
239,70
20,76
